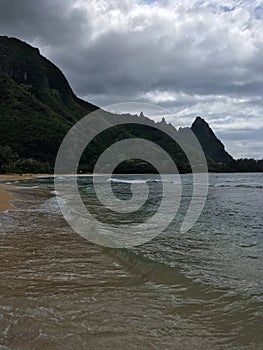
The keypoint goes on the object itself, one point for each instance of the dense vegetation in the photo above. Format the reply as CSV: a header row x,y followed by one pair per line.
x,y
38,107
246,165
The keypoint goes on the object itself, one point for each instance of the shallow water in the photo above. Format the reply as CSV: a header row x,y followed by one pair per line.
x,y
199,290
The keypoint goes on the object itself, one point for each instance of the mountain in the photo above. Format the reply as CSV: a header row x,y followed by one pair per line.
x,y
38,76
38,107
211,145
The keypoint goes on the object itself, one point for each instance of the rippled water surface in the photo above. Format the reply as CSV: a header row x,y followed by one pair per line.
x,y
199,290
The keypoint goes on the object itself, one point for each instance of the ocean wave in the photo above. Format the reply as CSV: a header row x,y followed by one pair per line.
x,y
7,211
51,205
244,185
57,193
126,181
27,187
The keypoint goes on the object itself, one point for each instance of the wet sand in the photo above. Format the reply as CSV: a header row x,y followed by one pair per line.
x,y
7,198
17,177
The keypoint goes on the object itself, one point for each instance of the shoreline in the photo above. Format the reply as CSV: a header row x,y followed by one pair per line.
x,y
6,197
17,177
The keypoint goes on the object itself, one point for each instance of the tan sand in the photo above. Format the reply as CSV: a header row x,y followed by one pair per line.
x,y
6,198
15,177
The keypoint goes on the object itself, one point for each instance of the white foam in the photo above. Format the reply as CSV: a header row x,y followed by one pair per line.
x,y
127,181
28,187
244,185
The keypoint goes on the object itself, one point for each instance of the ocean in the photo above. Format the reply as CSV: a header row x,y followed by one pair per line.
x,y
202,289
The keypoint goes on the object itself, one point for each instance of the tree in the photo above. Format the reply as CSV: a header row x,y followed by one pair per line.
x,y
7,156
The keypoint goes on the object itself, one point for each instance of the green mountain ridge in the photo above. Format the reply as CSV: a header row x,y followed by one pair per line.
x,y
38,107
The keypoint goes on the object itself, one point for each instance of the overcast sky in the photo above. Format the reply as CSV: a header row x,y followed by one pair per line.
x,y
193,57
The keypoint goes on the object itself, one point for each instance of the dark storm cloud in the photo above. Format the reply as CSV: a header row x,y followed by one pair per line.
x,y
49,22
191,57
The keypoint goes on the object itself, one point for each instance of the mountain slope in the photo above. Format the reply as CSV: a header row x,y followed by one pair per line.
x,y
37,75
28,126
37,105
211,145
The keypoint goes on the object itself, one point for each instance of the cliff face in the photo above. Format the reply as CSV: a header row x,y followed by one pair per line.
x,y
37,105
35,74
211,145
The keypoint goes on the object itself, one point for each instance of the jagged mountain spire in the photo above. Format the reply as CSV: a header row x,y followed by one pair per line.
x,y
211,145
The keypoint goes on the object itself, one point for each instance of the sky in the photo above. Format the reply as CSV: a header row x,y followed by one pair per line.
x,y
192,57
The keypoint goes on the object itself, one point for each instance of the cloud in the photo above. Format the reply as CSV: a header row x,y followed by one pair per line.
x,y
191,56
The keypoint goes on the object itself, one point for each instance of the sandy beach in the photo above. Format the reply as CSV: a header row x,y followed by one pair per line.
x,y
7,198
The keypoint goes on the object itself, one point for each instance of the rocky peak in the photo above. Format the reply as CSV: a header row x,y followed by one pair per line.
x,y
211,145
